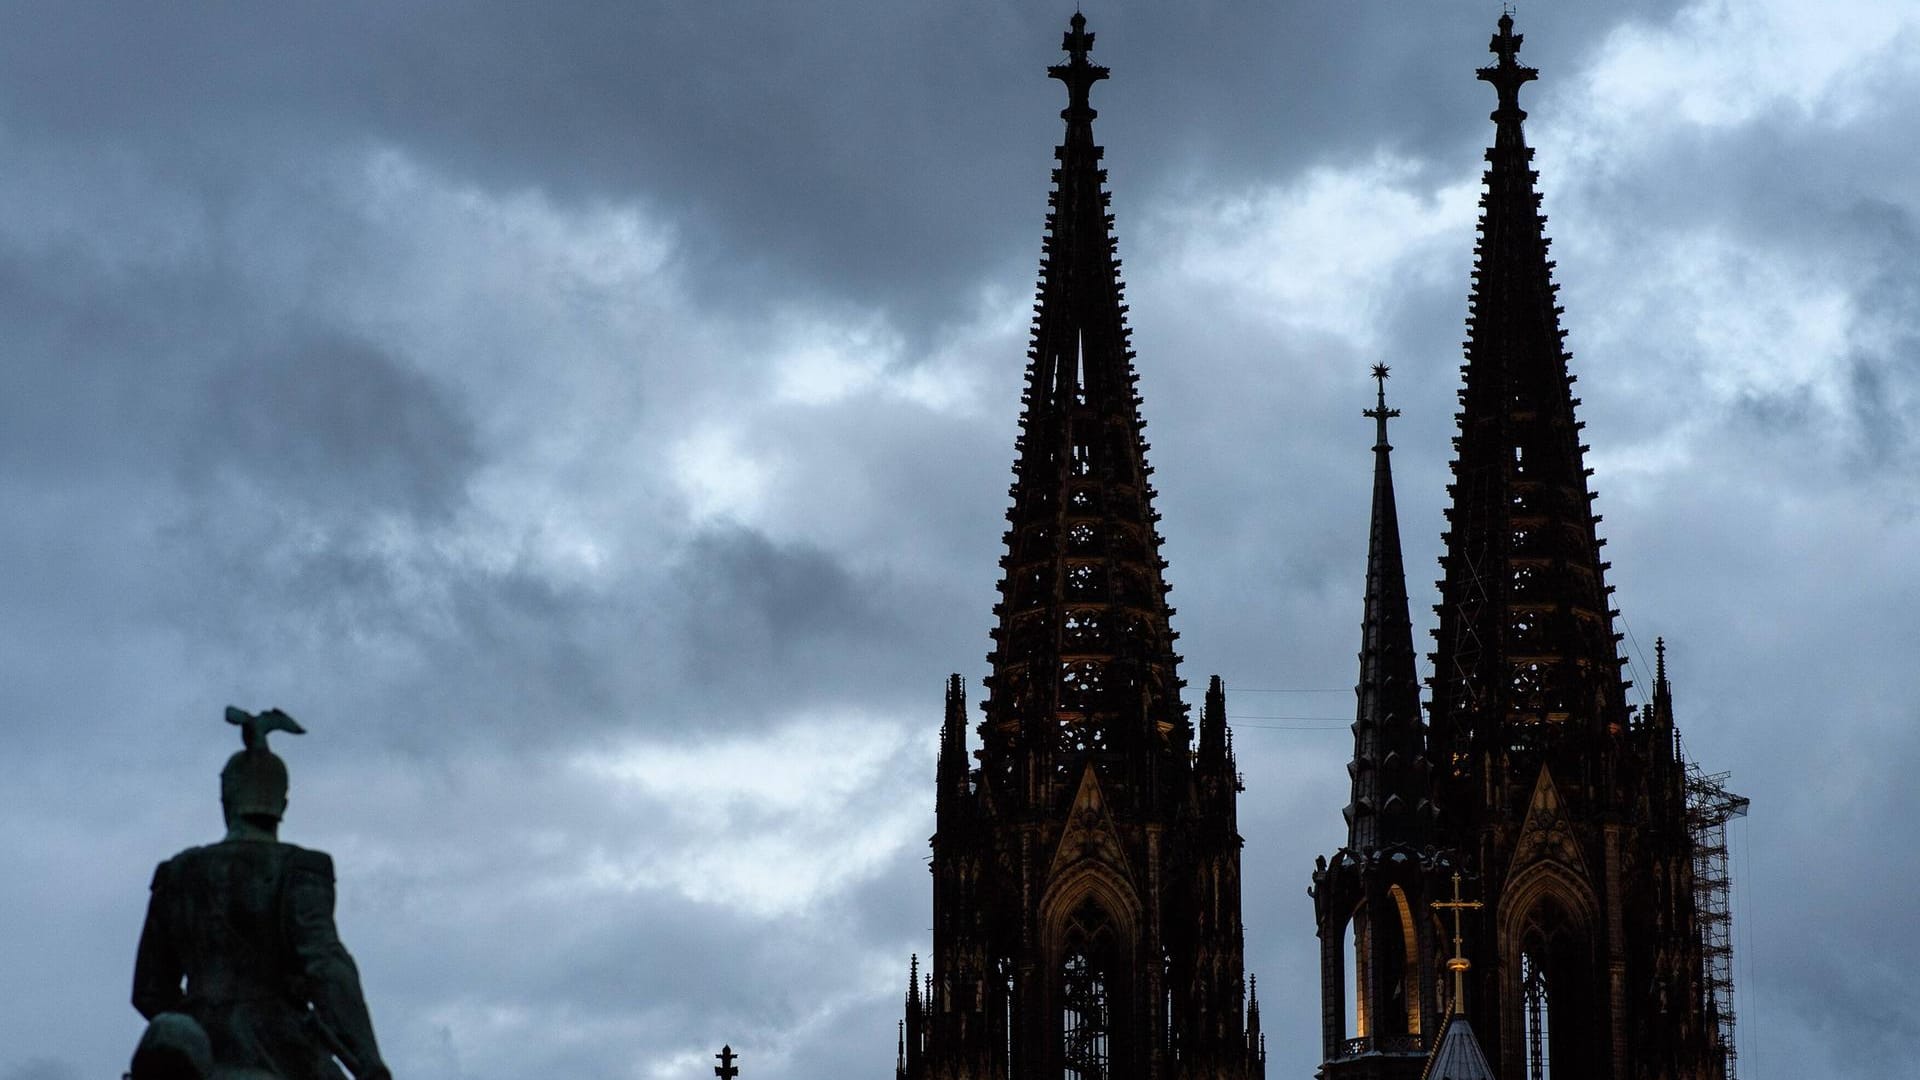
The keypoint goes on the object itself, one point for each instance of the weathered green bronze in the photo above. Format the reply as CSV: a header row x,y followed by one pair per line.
x,y
240,971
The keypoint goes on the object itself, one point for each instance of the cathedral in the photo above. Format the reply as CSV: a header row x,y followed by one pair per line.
x,y
1528,885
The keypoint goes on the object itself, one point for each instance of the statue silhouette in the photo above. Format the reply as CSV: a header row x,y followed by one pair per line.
x,y
240,972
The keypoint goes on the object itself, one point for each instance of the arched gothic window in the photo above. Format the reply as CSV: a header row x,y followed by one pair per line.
x,y
1555,986
1086,1015
1400,965
1381,947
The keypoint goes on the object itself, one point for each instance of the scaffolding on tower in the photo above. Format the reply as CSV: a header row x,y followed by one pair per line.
x,y
1709,807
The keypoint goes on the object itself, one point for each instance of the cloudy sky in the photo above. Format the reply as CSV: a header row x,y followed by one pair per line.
x,y
594,421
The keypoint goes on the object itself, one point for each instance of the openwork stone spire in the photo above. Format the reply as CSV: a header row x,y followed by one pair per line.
x,y
1587,961
1526,648
1389,802
1083,663
1086,875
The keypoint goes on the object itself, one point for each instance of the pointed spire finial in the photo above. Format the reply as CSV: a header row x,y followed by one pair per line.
x,y
1214,734
1508,76
1253,1012
1076,72
1661,707
1380,412
1077,41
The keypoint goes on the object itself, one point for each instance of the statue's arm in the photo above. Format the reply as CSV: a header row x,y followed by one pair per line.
x,y
333,982
156,966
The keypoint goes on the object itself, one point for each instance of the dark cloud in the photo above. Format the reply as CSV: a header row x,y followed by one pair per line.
x,y
749,597
778,153
334,421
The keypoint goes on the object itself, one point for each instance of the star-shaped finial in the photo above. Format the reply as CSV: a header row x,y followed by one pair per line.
x,y
1380,411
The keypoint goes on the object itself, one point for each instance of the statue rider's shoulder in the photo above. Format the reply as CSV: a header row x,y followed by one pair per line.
x,y
182,863
308,861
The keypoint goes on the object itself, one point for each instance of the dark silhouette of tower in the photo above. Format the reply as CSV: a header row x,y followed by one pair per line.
x,y
1086,874
1568,806
1372,899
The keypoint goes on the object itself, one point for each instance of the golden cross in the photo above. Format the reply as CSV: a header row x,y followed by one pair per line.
x,y
1459,963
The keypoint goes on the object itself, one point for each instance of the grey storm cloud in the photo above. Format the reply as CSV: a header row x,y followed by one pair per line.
x,y
332,420
751,605
840,141
594,422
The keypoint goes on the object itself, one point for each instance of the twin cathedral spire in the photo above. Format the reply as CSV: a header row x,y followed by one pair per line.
x,y
1086,859
1087,869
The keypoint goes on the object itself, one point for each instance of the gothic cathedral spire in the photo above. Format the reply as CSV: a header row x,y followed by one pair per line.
x,y
1527,653
1086,874
1389,804
1378,949
1570,811
1083,662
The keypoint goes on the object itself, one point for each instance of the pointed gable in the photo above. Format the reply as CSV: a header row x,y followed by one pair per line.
x,y
1089,836
1546,833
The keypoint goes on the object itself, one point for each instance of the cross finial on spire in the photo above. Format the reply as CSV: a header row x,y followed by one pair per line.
x,y
1508,75
1077,41
1506,43
1458,963
1380,412
726,1070
1076,72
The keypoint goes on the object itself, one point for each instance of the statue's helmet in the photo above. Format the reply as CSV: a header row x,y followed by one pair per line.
x,y
254,783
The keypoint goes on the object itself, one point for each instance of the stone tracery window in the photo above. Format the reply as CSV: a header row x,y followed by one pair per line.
x,y
1086,1018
